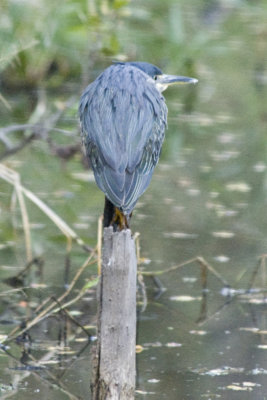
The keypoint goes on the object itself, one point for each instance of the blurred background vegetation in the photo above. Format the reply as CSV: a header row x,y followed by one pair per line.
x,y
47,43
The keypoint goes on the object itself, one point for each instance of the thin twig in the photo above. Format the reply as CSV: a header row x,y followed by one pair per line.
x,y
34,129
203,262
171,269
69,316
18,127
47,311
37,260
254,274
263,268
14,149
99,244
5,102
200,260
79,296
202,321
137,246
52,381
76,322
143,291
25,218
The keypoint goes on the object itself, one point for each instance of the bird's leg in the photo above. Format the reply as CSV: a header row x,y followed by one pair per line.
x,y
109,211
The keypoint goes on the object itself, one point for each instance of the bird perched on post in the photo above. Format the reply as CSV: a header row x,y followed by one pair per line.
x,y
123,118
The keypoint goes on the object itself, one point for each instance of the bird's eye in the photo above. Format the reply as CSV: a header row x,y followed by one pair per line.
x,y
155,77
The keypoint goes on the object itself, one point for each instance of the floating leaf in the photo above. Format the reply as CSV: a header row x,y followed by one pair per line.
x,y
259,371
235,387
180,235
184,298
222,258
224,371
250,384
262,346
259,167
153,344
241,187
143,392
223,234
249,329
173,344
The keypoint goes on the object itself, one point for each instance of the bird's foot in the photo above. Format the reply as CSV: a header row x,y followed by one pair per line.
x,y
120,221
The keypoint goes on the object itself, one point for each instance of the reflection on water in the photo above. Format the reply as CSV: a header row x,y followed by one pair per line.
x,y
207,198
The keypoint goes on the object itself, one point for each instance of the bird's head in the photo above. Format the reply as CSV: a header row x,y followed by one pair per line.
x,y
162,81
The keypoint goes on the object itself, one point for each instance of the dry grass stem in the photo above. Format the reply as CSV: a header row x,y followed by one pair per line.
x,y
99,244
137,246
13,178
141,282
24,215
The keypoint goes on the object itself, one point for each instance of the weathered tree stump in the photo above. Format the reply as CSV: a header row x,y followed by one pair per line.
x,y
114,371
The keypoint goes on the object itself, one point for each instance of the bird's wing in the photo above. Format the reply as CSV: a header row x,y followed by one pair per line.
x,y
123,119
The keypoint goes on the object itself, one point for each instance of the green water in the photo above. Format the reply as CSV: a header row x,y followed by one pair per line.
x,y
207,198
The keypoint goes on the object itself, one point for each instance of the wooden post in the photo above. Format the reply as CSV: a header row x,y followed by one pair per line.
x,y
114,370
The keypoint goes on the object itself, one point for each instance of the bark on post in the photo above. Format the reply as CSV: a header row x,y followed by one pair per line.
x,y
114,371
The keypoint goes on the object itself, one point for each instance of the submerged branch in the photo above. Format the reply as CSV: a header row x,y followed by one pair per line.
x,y
200,260
53,307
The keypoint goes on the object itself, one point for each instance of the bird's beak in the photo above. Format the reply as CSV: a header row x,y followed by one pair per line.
x,y
164,81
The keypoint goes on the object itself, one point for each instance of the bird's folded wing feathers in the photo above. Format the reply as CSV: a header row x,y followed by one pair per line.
x,y
123,129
